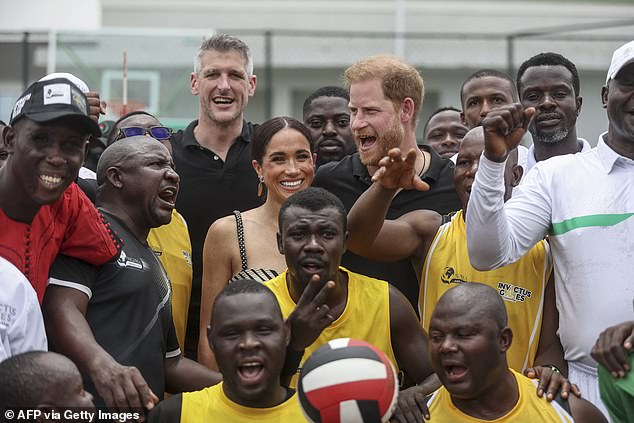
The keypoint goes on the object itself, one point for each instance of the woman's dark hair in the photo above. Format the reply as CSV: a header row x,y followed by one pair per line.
x,y
265,132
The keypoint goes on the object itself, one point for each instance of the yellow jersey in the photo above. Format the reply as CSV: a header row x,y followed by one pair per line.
x,y
366,315
529,408
521,285
212,405
173,248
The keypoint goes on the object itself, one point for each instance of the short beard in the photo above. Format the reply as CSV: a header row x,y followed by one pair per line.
x,y
390,139
550,138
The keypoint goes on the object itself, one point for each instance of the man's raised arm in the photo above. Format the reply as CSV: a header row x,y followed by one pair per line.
x,y
498,234
373,237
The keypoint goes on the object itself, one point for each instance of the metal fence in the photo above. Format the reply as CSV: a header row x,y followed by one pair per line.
x,y
289,64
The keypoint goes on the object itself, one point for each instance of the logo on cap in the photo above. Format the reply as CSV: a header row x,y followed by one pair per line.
x,y
78,99
56,94
19,105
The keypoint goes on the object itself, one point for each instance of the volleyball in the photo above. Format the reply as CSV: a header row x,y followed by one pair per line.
x,y
347,380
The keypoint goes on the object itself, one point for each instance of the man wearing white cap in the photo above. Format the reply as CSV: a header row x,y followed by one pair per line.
x,y
584,202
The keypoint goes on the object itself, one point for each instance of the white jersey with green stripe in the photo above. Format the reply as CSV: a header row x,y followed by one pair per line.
x,y
585,204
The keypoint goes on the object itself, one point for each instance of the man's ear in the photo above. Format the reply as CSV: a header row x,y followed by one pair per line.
x,y
518,172
506,339
407,110
113,175
5,128
462,119
604,95
193,83
8,137
345,241
253,81
578,102
280,244
86,148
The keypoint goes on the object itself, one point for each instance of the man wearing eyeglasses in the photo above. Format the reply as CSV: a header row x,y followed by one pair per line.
x,y
169,242
213,154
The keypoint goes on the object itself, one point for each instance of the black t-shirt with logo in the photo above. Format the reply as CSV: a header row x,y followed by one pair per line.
x,y
129,308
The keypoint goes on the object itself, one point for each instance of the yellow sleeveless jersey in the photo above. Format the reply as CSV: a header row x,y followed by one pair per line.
x,y
212,405
173,248
365,317
521,285
529,409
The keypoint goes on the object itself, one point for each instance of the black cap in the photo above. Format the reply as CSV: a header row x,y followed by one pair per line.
x,y
45,101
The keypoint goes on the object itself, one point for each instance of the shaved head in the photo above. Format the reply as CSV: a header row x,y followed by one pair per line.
x,y
120,154
474,135
469,339
35,378
477,298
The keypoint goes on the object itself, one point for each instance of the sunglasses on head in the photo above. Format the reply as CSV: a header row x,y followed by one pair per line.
x,y
158,132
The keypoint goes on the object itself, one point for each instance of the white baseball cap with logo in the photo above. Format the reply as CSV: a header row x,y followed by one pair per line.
x,y
622,56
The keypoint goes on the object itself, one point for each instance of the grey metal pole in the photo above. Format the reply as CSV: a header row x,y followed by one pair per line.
x,y
510,56
25,60
268,51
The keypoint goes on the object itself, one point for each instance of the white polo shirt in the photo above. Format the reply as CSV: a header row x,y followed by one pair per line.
x,y
585,203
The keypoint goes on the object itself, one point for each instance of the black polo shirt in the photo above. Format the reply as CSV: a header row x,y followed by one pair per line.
x,y
210,188
349,178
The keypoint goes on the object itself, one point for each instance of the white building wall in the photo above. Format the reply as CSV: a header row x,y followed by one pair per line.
x,y
313,42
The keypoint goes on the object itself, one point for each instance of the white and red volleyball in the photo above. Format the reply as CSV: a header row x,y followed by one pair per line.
x,y
347,381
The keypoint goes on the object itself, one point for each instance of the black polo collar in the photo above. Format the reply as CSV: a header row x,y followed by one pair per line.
x,y
189,140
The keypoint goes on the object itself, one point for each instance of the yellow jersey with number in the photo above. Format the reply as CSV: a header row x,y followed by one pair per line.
x,y
365,317
521,285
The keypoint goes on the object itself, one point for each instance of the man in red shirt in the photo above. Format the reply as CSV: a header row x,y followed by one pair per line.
x,y
42,211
